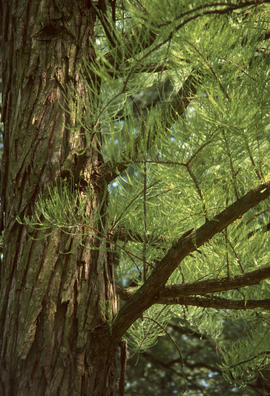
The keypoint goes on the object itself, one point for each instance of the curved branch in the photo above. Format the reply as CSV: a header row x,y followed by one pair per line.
x,y
223,9
189,242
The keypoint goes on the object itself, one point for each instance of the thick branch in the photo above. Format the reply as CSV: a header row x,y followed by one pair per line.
x,y
215,302
189,242
174,294
215,285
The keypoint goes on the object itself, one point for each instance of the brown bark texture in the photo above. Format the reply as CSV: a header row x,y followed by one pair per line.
x,y
57,291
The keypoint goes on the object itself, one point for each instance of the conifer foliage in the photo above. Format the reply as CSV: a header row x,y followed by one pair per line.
x,y
135,187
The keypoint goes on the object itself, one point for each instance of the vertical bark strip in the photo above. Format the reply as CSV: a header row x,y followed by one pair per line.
x,y
57,293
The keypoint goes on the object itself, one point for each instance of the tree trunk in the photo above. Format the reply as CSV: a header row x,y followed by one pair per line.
x,y
57,290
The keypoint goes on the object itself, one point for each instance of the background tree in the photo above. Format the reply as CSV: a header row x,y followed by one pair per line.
x,y
136,141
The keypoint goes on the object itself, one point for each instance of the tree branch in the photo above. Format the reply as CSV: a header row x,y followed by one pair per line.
x,y
224,9
189,242
215,302
215,285
176,294
140,39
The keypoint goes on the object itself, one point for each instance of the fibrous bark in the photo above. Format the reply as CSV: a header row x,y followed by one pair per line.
x,y
57,290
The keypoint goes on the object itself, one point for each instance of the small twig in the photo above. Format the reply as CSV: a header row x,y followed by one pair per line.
x,y
198,150
242,70
234,173
130,203
170,337
227,254
250,359
210,67
144,220
236,256
120,247
260,161
198,188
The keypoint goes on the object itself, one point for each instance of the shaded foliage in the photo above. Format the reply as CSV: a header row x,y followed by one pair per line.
x,y
196,370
